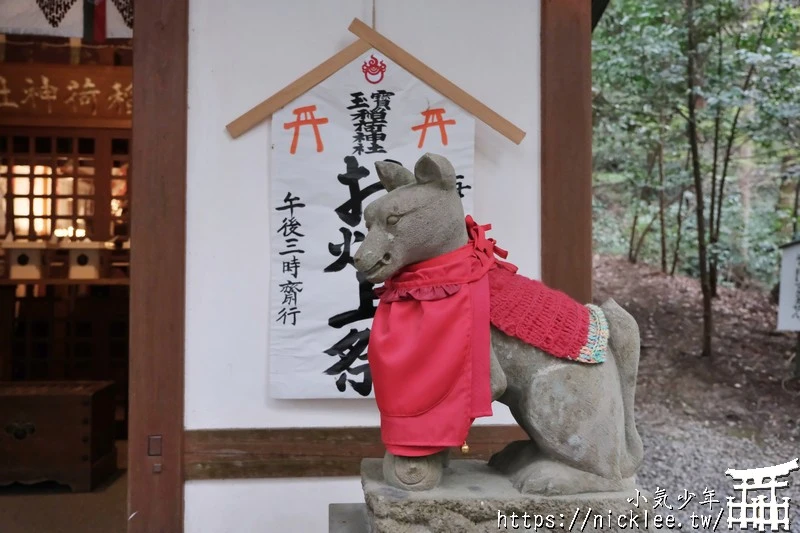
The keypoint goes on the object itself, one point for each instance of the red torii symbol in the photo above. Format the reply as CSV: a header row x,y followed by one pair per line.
x,y
433,117
305,117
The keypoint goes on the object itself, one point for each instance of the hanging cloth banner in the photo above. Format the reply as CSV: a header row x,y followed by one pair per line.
x,y
91,20
94,21
322,172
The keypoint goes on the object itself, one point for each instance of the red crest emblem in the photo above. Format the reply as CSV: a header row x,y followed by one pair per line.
x,y
373,70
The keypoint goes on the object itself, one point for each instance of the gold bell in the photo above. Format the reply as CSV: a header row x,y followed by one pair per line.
x,y
465,448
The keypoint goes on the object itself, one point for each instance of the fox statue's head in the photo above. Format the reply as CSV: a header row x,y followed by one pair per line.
x,y
421,217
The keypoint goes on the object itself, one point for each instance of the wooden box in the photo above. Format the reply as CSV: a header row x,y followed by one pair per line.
x,y
25,259
86,259
57,431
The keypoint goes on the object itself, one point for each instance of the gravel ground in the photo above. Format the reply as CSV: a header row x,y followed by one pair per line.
x,y
685,454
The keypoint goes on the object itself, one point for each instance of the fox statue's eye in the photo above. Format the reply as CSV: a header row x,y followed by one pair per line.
x,y
392,220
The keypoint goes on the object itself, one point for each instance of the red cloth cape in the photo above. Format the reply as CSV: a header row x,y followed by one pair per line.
x,y
430,340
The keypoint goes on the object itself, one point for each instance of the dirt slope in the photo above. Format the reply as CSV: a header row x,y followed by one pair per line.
x,y
740,387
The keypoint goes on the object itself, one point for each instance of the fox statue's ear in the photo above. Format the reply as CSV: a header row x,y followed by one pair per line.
x,y
432,168
393,174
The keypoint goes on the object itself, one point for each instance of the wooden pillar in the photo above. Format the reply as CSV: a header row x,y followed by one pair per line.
x,y
158,258
567,146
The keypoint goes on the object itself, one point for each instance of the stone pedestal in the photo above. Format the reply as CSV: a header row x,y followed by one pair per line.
x,y
475,498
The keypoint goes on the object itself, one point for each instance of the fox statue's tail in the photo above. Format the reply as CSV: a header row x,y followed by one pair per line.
x,y
624,347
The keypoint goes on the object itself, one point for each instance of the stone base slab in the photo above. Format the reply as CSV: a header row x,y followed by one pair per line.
x,y
347,518
475,498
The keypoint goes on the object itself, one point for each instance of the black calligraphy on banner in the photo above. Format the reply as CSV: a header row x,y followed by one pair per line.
x,y
460,185
290,232
369,122
351,350
343,250
365,309
351,210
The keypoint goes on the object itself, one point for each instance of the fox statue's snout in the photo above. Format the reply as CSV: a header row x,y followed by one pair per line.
x,y
395,237
374,256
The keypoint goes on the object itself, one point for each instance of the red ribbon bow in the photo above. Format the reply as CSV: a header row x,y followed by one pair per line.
x,y
477,234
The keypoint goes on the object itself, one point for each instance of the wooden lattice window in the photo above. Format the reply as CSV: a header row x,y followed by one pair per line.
x,y
64,182
120,186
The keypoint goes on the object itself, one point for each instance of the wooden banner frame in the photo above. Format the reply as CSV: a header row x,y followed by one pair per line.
x,y
369,38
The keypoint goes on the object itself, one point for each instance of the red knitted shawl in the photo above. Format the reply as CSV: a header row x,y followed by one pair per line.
x,y
532,312
430,338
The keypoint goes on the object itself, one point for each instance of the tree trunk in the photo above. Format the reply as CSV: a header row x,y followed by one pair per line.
x,y
661,207
633,229
651,161
716,212
698,184
745,181
647,229
677,250
716,201
712,273
640,242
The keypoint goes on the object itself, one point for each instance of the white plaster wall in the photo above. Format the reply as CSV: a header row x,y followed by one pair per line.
x,y
238,56
491,50
265,506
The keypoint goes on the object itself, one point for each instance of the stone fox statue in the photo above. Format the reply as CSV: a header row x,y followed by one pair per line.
x,y
457,328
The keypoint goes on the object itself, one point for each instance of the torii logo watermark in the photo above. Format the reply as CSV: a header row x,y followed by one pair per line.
x,y
757,511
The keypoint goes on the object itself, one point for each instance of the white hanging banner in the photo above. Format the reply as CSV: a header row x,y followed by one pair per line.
x,y
789,295
324,147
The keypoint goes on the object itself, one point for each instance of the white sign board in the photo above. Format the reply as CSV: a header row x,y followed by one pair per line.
x,y
324,146
789,297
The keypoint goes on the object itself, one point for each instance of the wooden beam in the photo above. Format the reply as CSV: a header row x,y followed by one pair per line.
x,y
64,281
307,452
437,81
566,178
297,88
60,122
158,260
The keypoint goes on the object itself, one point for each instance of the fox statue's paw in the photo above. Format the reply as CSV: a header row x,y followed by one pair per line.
x,y
414,473
552,478
532,473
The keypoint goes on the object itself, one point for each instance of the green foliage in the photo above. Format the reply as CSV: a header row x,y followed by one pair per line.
x,y
748,122
608,234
